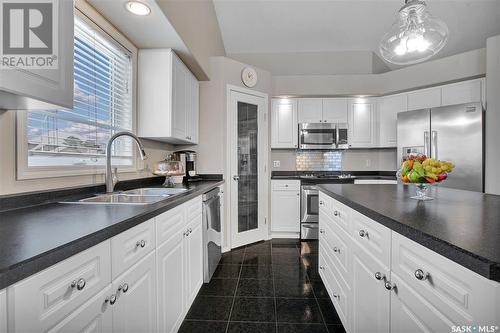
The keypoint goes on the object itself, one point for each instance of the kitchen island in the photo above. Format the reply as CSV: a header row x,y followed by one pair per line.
x,y
421,265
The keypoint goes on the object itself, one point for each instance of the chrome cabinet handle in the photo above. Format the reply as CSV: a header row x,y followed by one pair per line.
x,y
190,231
123,287
321,231
420,275
111,299
336,213
321,267
80,284
379,276
321,202
389,286
337,296
236,177
363,233
140,243
336,250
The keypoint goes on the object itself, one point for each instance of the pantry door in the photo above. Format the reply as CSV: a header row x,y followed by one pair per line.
x,y
248,155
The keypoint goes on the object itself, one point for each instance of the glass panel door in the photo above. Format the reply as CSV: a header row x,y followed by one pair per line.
x,y
248,195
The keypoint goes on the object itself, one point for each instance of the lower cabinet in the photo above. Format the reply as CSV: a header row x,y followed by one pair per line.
x,y
134,309
142,280
285,206
393,284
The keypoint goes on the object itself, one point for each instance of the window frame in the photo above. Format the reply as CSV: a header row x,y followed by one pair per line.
x,y
96,21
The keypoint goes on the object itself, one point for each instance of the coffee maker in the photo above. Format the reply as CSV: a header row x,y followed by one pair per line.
x,y
188,158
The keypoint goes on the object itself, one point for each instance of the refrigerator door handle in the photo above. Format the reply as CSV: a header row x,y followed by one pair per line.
x,y
426,143
434,151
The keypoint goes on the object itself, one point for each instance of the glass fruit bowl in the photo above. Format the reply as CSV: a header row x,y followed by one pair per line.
x,y
423,172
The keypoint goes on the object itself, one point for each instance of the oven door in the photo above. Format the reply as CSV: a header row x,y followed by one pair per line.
x,y
309,206
317,136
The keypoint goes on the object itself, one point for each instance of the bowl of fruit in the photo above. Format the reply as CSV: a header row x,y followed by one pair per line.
x,y
423,172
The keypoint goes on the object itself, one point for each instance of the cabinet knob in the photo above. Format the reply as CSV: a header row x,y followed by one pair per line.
x,y
321,231
321,202
336,213
420,275
80,284
363,233
321,267
336,250
123,287
389,286
111,299
321,121
141,243
337,296
236,178
378,276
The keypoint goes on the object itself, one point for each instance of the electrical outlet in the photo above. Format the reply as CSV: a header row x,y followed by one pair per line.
x,y
368,162
276,164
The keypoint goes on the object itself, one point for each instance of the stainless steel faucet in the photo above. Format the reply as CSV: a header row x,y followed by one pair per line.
x,y
111,180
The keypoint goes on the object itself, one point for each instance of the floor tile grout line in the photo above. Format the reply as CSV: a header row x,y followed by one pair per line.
x,y
235,291
274,293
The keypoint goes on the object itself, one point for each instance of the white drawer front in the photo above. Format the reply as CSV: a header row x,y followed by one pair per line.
x,y
193,208
372,236
44,299
285,185
338,245
130,246
93,316
341,215
169,223
463,296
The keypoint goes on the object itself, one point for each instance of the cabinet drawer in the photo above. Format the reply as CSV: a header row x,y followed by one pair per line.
x,y
338,246
130,246
193,208
325,202
285,185
462,295
341,214
372,237
336,290
44,299
169,223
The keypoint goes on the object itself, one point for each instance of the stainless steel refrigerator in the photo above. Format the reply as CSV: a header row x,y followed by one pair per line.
x,y
451,133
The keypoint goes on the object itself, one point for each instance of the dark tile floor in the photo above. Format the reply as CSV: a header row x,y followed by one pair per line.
x,y
271,286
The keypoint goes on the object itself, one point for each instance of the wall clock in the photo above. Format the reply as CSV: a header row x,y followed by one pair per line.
x,y
249,77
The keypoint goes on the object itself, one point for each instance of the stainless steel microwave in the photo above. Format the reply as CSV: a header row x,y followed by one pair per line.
x,y
323,136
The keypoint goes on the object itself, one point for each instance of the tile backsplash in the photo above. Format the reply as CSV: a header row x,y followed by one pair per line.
x,y
318,161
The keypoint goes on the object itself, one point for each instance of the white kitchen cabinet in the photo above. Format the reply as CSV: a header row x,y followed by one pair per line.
x,y
310,110
285,206
135,290
95,315
3,311
370,299
284,126
168,98
171,282
335,110
388,108
22,89
43,300
462,92
194,259
424,98
362,122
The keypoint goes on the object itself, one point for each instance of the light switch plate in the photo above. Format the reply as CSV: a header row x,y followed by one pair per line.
x,y
276,164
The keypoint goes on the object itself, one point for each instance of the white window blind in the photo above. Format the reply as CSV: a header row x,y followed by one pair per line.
x,y
102,107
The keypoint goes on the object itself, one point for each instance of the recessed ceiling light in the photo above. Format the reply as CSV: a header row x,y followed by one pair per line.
x,y
137,8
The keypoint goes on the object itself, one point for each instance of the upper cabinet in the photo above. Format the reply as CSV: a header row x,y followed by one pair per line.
x,y
362,122
31,89
322,110
168,98
388,109
424,99
284,126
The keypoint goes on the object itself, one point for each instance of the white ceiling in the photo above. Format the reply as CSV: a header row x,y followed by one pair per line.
x,y
292,26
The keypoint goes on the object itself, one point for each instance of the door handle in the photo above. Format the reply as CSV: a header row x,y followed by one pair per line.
x,y
236,178
434,149
426,143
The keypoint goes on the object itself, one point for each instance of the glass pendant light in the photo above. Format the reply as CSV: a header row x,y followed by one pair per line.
x,y
415,36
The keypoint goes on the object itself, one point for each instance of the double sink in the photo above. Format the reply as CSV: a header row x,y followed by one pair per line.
x,y
140,196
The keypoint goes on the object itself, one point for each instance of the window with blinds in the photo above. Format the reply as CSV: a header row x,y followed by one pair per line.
x,y
102,107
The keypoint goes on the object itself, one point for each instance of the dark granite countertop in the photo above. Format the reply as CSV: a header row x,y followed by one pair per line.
x,y
301,175
462,226
36,237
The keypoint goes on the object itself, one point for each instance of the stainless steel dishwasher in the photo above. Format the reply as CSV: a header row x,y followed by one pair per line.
x,y
211,233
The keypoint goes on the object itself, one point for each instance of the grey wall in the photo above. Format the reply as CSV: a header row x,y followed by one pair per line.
x,y
492,149
352,160
458,67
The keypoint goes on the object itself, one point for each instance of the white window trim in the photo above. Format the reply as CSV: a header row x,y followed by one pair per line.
x,y
94,19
